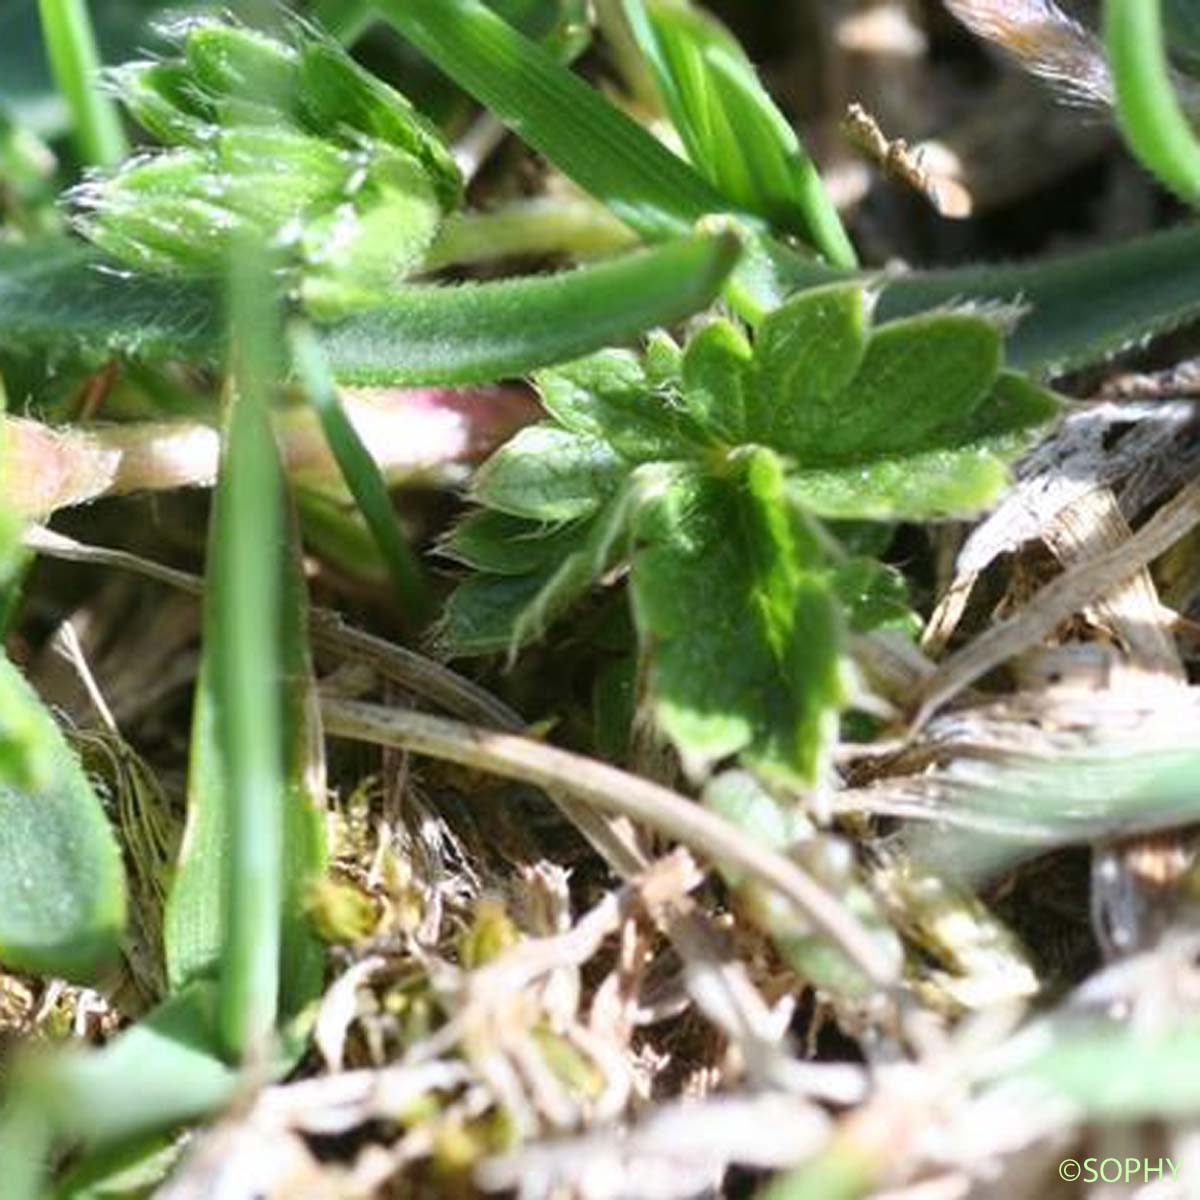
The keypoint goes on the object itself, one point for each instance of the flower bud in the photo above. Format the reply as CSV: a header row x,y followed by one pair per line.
x,y
231,60
163,100
335,93
292,144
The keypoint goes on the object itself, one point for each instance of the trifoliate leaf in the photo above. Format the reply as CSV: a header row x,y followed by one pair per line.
x,y
757,670
549,474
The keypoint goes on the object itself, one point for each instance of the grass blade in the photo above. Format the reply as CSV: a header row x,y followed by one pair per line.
x,y
71,45
734,134
1083,307
1148,110
361,475
608,154
241,650
255,833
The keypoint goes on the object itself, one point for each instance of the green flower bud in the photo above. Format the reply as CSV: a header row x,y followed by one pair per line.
x,y
163,99
157,215
231,60
374,239
293,144
335,93
349,223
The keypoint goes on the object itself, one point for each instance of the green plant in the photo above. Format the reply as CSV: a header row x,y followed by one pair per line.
x,y
725,499
704,471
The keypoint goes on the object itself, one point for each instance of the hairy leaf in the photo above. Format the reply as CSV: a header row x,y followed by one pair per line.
x,y
807,353
609,397
548,474
62,894
501,544
60,295
757,671
717,381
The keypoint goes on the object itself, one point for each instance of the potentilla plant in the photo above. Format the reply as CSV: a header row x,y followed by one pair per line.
x,y
707,471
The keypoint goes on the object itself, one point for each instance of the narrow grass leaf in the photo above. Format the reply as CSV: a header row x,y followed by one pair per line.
x,y
362,476
1148,110
734,134
75,62
607,153
204,920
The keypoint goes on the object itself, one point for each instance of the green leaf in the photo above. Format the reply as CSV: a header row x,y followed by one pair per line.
x,y
481,615
807,353
254,841
501,544
1148,110
607,153
483,332
75,61
961,478
59,295
920,380
718,382
732,131
171,1053
362,476
549,474
608,397
1013,415
760,675
874,596
505,611
1082,308
577,572
62,893
917,487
